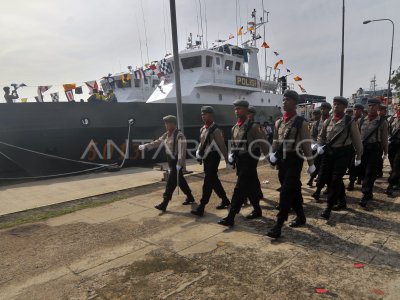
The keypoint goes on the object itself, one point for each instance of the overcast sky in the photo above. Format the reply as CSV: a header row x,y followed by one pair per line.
x,y
51,42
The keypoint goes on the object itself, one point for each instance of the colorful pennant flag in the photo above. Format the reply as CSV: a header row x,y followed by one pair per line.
x,y
265,45
70,95
55,97
92,85
24,100
41,90
69,87
302,89
251,28
231,36
297,78
240,31
125,78
280,62
78,90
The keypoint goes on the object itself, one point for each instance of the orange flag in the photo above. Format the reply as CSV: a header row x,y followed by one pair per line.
x,y
265,45
69,87
298,78
240,31
280,62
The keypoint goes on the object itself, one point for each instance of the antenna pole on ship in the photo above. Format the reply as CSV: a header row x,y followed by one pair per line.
x,y
176,65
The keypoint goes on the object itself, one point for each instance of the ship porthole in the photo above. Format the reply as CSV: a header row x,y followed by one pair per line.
x,y
85,122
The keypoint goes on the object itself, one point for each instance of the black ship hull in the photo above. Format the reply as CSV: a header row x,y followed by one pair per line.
x,y
35,136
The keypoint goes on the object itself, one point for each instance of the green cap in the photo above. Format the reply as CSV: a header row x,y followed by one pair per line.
x,y
252,109
241,103
374,101
292,95
170,119
207,109
341,100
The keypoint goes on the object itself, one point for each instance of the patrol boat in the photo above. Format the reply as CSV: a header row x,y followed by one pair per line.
x,y
41,140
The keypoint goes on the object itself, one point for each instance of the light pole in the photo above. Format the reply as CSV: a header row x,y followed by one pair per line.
x,y
342,57
391,52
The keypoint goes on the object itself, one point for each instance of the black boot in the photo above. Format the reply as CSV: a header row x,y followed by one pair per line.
x,y
224,204
162,206
365,199
310,182
326,214
326,192
189,200
298,222
359,182
229,220
199,211
317,194
256,213
341,205
390,190
350,187
276,231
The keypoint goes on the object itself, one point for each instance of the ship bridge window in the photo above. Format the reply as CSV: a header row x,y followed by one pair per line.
x,y
228,65
217,60
136,82
237,51
237,66
209,61
191,62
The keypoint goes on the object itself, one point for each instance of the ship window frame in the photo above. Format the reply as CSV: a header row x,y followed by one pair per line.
x,y
209,61
137,83
228,65
192,62
238,66
218,61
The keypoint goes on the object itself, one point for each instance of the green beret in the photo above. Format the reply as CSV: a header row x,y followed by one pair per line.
x,y
326,105
358,106
374,101
316,111
241,103
292,95
349,109
170,119
252,110
341,100
207,109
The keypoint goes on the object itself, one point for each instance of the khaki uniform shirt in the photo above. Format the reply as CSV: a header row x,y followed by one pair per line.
x,y
280,132
331,128
315,129
216,141
167,140
254,134
380,136
394,128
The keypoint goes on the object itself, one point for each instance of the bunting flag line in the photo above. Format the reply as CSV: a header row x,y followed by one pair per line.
x,y
264,45
70,95
240,31
24,100
164,67
153,67
92,85
297,78
251,29
69,86
231,36
137,75
55,97
302,89
280,62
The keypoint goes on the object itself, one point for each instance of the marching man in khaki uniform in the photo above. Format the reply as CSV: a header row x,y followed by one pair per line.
x,y
175,147
212,146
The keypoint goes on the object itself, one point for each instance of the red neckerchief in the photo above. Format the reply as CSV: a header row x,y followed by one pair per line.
x,y
372,117
208,124
337,117
240,122
398,114
287,115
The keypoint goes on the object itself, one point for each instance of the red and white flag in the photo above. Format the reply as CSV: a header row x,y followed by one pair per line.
x,y
41,90
70,95
92,85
